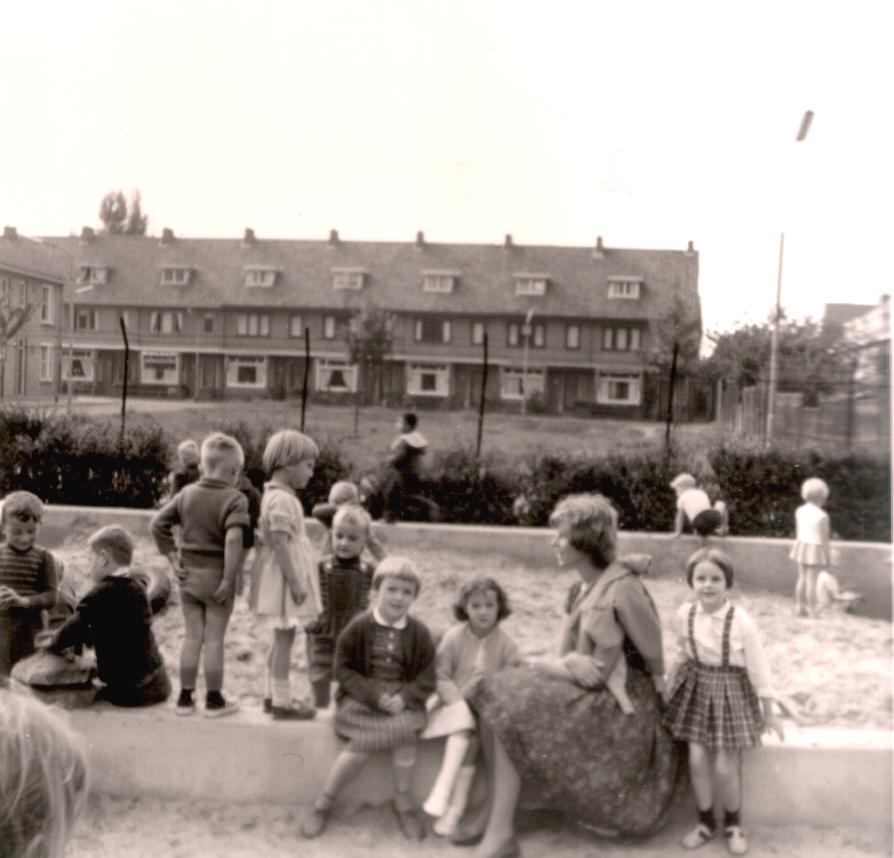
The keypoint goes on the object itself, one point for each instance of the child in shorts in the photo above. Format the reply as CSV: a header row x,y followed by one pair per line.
x,y
212,514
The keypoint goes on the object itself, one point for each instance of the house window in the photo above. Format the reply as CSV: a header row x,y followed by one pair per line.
x,y
46,362
539,336
86,320
77,365
620,339
47,305
159,368
477,333
512,334
246,371
436,282
22,294
347,278
252,325
336,376
628,289
208,323
166,322
94,275
515,384
175,276
260,277
329,326
428,380
296,326
619,388
530,284
4,290
430,330
572,337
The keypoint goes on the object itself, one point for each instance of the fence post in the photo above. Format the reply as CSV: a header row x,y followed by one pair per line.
x,y
126,372
306,370
481,403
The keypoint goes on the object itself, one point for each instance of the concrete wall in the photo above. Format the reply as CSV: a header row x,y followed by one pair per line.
x,y
761,564
815,777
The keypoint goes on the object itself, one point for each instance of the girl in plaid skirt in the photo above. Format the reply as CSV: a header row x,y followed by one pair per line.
x,y
721,698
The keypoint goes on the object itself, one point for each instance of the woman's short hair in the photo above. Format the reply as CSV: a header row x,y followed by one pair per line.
x,y
116,541
815,490
591,523
718,558
23,506
288,447
397,567
43,778
481,584
344,491
352,513
217,447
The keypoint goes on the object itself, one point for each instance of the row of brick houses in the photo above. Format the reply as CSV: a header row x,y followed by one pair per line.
x,y
225,318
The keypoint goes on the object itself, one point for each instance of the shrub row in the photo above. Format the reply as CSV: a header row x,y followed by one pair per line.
x,y
76,460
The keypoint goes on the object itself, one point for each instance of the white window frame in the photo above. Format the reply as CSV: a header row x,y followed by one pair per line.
x,y
538,336
234,363
47,361
330,327
22,293
478,331
149,368
604,392
446,331
260,278
348,278
513,334
86,360
531,285
166,322
324,369
439,282
624,289
621,338
47,304
92,319
415,373
4,289
93,275
252,324
572,336
174,276
512,378
296,325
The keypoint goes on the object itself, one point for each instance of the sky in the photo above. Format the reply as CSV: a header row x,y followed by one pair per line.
x,y
648,123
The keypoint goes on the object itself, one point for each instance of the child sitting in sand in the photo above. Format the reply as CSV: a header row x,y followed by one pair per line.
x,y
28,579
43,778
694,509
343,492
468,652
345,582
114,618
212,515
831,597
385,667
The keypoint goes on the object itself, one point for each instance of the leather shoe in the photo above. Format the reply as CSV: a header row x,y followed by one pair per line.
x,y
314,822
410,824
467,837
507,849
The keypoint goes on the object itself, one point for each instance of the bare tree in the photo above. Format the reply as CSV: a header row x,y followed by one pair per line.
x,y
12,320
369,335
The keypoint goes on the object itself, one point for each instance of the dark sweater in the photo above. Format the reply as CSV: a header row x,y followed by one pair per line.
x,y
353,663
114,619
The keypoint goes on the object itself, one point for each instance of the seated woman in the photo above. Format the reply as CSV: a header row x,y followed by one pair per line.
x,y
581,731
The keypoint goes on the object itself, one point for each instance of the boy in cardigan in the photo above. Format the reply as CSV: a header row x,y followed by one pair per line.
x,y
385,667
115,619
28,578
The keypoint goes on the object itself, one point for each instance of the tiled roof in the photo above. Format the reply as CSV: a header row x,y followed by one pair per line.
x,y
33,257
578,282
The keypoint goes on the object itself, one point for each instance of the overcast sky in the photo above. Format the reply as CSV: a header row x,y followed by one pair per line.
x,y
650,124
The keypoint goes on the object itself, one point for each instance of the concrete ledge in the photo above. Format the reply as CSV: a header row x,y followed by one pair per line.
x,y
761,564
821,777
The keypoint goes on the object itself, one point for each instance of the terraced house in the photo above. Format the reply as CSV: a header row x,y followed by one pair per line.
x,y
574,328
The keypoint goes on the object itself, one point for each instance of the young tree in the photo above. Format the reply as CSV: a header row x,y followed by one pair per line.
x,y
136,220
113,213
369,335
12,320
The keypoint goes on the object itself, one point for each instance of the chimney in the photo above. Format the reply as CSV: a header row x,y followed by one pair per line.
x,y
249,237
167,236
87,234
690,249
507,241
10,232
333,237
599,250
420,240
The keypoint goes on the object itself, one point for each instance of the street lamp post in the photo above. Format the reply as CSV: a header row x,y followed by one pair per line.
x,y
806,119
526,333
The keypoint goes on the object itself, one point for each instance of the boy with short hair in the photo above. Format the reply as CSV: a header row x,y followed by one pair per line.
x,y
188,470
28,579
212,514
694,508
114,618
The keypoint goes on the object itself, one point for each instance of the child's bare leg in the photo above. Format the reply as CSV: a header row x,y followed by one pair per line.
x,y
812,575
506,786
721,507
801,590
728,767
194,633
403,759
216,619
454,753
346,766
700,776
281,656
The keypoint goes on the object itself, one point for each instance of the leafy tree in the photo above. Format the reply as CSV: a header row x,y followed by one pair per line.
x,y
369,336
12,320
118,219
679,325
136,220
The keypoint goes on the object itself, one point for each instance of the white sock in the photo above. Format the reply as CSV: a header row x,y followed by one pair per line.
x,y
282,693
454,752
449,822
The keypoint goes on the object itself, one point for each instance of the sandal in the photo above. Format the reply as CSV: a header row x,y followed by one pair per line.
x,y
736,844
697,836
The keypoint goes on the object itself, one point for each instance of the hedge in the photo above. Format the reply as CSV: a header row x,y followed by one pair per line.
x,y
76,460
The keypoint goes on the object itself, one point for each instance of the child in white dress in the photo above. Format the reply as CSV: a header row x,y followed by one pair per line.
x,y
811,550
285,589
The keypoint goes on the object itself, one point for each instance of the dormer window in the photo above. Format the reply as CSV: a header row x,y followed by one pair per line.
x,y
439,281
175,276
531,284
263,276
624,287
93,275
348,278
